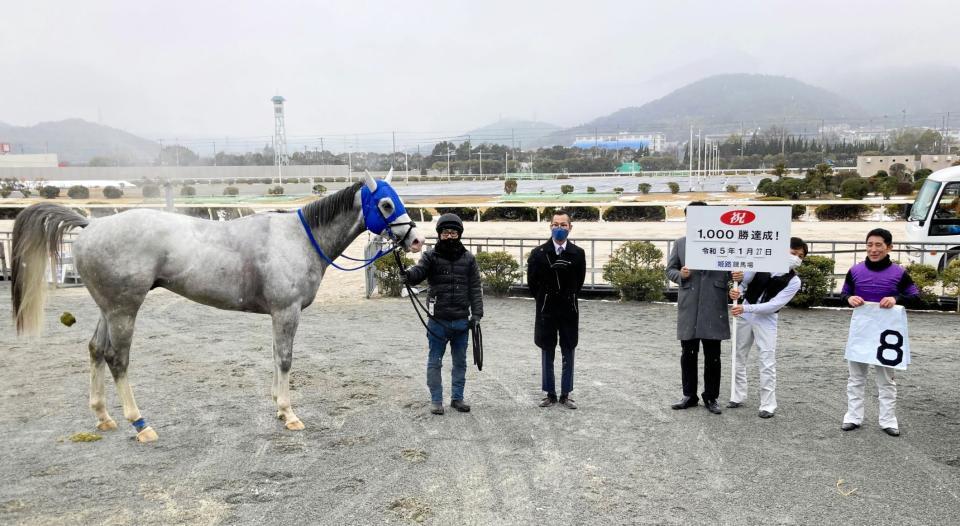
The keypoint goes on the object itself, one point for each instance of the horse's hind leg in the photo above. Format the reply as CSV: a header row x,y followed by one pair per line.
x,y
284,328
99,344
120,327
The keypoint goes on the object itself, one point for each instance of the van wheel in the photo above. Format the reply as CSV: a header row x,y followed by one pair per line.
x,y
948,258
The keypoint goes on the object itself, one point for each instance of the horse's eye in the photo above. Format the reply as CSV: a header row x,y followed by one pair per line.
x,y
386,205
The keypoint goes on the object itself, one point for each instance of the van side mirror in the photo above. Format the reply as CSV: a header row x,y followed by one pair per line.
x,y
906,210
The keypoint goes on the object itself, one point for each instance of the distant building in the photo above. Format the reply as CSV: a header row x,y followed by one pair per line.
x,y
938,162
868,165
615,141
29,160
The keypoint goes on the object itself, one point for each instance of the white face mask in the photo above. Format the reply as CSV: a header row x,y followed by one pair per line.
x,y
793,261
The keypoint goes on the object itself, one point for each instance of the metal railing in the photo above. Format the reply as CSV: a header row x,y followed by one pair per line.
x,y
598,251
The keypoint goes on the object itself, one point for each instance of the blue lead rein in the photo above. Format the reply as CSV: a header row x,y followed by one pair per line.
x,y
316,246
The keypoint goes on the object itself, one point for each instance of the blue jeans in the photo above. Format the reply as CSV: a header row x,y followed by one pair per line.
x,y
455,332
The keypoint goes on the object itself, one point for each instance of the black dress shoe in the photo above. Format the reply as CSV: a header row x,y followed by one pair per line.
x,y
712,406
734,405
849,426
685,403
892,431
459,405
548,401
765,414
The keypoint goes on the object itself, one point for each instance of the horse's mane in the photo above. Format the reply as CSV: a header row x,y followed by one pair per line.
x,y
322,211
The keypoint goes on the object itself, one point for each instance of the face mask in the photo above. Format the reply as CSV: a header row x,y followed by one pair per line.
x,y
794,261
560,234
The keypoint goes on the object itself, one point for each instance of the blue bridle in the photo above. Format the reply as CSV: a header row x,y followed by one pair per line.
x,y
374,218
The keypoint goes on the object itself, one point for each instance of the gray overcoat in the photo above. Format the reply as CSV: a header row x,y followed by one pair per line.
x,y
702,310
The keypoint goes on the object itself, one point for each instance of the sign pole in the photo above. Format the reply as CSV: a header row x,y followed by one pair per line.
x,y
733,355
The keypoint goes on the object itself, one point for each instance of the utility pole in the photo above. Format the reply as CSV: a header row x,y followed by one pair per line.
x,y
699,152
741,138
946,137
480,153
394,154
321,150
214,153
690,169
449,171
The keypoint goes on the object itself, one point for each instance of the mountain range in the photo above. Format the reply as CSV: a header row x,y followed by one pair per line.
x,y
723,103
78,141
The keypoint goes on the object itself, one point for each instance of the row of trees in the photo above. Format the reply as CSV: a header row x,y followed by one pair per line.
x,y
821,180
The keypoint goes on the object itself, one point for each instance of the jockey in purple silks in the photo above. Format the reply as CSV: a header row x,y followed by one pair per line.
x,y
879,280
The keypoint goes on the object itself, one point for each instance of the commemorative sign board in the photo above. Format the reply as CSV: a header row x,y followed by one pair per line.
x,y
750,239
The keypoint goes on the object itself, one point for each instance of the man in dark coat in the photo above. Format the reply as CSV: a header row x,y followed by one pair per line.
x,y
457,294
555,274
702,318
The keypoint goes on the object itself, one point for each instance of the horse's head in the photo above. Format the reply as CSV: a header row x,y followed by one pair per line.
x,y
385,215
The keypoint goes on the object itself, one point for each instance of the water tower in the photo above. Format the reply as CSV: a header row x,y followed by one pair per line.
x,y
280,158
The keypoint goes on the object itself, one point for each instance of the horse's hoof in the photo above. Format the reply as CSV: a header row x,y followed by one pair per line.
x,y
295,425
147,435
107,425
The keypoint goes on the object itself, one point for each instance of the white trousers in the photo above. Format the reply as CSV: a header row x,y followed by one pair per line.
x,y
761,329
887,391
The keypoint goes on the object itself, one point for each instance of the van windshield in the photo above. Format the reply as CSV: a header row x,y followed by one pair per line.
x,y
924,200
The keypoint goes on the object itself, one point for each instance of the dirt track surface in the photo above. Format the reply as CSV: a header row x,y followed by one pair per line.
x,y
372,455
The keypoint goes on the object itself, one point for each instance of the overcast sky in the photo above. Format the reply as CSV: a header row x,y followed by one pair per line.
x,y
209,68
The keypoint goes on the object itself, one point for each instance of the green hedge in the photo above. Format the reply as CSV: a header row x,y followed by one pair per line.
x,y
635,213
636,270
816,281
841,212
509,214
112,192
78,192
577,213
389,279
465,213
499,271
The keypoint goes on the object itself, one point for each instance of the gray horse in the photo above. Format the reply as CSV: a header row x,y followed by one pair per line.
x,y
268,263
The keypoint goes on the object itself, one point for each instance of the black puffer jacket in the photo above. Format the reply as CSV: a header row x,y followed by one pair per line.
x,y
454,284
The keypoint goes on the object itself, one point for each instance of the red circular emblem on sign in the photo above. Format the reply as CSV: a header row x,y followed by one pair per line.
x,y
738,217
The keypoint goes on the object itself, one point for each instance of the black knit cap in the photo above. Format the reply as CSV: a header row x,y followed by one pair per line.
x,y
451,221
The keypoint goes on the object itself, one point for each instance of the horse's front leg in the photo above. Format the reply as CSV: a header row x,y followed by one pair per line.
x,y
284,329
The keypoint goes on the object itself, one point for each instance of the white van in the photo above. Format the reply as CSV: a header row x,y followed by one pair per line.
x,y
934,217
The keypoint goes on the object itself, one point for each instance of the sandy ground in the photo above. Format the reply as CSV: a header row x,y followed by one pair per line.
x,y
372,455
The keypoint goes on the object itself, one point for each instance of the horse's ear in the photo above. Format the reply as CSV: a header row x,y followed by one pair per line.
x,y
369,181
389,175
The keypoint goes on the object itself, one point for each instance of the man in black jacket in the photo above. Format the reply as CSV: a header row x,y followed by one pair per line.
x,y
555,273
457,294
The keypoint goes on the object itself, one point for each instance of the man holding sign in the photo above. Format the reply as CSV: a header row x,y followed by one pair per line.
x,y
721,243
885,285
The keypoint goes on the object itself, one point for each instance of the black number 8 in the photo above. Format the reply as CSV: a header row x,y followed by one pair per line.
x,y
884,345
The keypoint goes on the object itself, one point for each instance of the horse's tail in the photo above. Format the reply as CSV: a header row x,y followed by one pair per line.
x,y
37,234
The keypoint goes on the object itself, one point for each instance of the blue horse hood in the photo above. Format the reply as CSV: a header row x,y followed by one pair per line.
x,y
372,216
